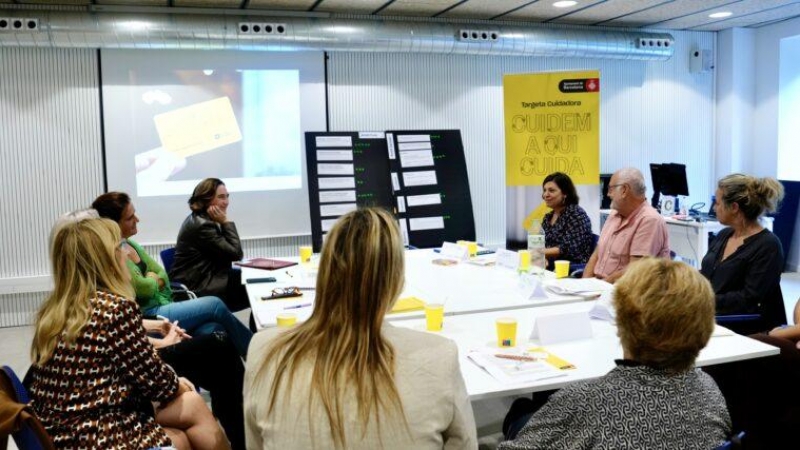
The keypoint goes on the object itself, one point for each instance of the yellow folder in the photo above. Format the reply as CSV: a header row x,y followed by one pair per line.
x,y
408,304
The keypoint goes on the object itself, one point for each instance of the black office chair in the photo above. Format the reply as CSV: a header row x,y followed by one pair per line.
x,y
179,290
734,443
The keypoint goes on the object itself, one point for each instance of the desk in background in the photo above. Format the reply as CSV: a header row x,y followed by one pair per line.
x,y
689,239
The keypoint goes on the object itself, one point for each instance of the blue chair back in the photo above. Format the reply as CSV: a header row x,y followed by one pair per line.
x,y
734,443
168,257
31,435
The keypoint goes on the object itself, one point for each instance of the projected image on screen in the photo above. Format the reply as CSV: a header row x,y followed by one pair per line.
x,y
244,123
174,117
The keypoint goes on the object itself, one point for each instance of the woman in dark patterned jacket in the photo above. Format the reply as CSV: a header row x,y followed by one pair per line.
x,y
567,228
94,372
655,398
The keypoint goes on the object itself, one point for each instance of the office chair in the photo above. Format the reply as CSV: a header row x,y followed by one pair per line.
x,y
743,324
179,290
30,434
734,443
576,270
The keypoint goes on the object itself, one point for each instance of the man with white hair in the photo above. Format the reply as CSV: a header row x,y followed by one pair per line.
x,y
633,230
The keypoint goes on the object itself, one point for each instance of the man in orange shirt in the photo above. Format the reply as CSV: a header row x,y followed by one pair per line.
x,y
633,229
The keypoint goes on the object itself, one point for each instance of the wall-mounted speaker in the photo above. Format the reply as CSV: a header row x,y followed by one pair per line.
x,y
262,29
653,43
701,60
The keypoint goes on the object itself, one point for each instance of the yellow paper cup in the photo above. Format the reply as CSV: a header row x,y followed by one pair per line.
x,y
562,268
305,253
434,316
524,260
286,319
473,248
506,332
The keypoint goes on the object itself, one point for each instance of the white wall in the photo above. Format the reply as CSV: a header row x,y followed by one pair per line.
x,y
52,161
735,101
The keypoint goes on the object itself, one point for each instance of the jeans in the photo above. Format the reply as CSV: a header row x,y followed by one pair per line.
x,y
203,316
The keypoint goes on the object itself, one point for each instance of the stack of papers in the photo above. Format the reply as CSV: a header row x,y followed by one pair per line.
x,y
509,366
589,288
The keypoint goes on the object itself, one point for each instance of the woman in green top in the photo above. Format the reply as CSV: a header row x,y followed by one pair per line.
x,y
198,316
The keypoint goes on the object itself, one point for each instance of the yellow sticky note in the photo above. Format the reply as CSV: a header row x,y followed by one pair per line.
x,y
198,128
552,359
408,304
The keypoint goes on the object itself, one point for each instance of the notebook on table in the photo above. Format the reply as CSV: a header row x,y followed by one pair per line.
x,y
265,263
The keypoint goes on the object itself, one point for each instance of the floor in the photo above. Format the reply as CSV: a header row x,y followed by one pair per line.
x,y
15,348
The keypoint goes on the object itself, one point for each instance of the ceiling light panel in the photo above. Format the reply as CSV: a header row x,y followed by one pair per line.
x,y
752,19
544,10
606,10
666,11
483,9
424,8
291,5
350,6
738,9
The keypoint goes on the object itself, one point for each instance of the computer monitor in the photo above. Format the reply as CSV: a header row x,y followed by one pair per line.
x,y
605,180
668,179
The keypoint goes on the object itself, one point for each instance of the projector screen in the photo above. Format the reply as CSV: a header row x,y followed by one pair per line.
x,y
788,111
173,118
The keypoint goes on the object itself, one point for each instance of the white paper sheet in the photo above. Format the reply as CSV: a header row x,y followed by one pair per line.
x,y
414,146
426,223
337,196
424,178
335,169
336,210
334,155
414,138
420,200
336,183
327,224
401,204
390,145
334,141
404,231
395,182
371,134
417,158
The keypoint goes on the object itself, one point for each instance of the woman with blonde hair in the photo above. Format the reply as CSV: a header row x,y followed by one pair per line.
x,y
654,398
745,260
345,378
94,371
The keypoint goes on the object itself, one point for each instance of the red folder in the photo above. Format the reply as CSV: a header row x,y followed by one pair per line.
x,y
266,264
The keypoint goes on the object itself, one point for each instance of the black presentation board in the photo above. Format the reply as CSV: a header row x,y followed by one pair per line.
x,y
431,186
420,175
345,170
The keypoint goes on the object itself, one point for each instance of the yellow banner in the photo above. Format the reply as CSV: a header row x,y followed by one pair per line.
x,y
552,124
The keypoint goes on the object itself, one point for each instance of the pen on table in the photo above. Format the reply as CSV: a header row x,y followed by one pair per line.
x,y
304,305
514,357
290,275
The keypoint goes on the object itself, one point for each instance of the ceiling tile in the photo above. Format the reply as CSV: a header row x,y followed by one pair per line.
x,y
290,5
544,10
56,2
350,6
753,19
667,11
416,8
134,2
607,10
230,4
483,9
740,8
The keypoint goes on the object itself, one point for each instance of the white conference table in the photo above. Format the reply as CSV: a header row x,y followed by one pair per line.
x,y
464,288
592,358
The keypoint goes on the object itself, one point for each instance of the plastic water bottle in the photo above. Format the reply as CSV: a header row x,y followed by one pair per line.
x,y
536,247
